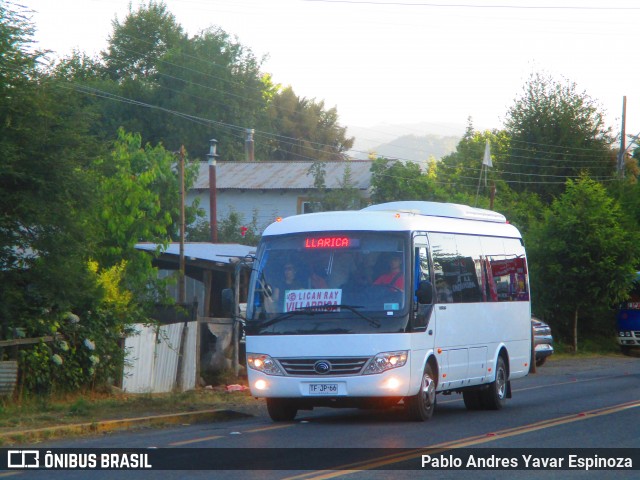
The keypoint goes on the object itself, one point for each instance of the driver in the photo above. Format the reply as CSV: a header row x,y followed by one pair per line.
x,y
393,277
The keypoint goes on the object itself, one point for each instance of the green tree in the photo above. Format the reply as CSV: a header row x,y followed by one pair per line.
x,y
345,197
306,130
47,228
556,133
393,180
171,88
582,256
139,200
136,44
45,193
179,90
213,76
459,173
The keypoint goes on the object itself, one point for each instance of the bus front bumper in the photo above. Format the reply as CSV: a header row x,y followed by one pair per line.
x,y
392,383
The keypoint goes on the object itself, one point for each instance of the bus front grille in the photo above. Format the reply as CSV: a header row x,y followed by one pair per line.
x,y
308,366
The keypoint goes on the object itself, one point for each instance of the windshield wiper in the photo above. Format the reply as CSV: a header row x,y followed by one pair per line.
x,y
283,316
353,308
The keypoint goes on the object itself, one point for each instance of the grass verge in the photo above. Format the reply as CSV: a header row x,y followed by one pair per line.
x,y
59,410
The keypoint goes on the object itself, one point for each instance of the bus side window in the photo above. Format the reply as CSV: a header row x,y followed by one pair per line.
x,y
443,248
469,254
505,273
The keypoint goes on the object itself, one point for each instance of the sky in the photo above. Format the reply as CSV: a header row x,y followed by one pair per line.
x,y
384,62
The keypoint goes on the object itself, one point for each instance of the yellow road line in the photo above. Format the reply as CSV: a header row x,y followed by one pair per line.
x,y
465,442
195,440
217,437
275,427
272,427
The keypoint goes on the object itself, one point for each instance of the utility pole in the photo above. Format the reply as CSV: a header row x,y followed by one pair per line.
x,y
182,289
213,215
623,134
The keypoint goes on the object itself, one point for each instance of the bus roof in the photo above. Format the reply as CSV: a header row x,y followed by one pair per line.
x,y
436,209
401,216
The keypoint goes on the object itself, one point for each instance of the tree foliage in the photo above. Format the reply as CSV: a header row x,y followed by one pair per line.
x,y
177,89
237,229
139,196
234,228
395,180
44,189
556,133
74,202
462,170
307,131
345,197
48,227
582,256
139,41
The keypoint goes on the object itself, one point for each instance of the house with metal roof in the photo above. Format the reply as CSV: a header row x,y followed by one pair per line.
x,y
272,189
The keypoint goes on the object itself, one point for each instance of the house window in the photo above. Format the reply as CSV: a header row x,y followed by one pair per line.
x,y
307,206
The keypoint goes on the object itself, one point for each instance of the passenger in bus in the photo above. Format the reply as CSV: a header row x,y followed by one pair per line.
x,y
289,282
316,278
342,267
393,277
443,291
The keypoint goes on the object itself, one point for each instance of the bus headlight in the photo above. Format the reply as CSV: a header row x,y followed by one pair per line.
x,y
263,363
386,361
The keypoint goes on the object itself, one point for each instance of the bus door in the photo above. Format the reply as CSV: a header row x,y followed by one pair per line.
x,y
422,316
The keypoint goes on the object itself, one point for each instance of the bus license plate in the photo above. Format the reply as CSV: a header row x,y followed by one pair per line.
x,y
323,389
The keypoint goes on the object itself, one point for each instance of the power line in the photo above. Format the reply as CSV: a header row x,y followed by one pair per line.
x,y
462,5
193,118
320,146
114,97
208,75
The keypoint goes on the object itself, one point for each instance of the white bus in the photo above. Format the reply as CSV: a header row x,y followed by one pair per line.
x,y
388,306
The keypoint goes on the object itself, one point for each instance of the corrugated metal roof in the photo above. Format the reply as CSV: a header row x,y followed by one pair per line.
x,y
152,359
281,175
214,252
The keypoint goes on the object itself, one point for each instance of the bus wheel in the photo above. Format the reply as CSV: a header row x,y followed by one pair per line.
x,y
420,407
625,350
472,399
281,409
494,397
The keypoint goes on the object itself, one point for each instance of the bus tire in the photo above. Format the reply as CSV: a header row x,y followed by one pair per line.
x,y
495,397
281,409
420,407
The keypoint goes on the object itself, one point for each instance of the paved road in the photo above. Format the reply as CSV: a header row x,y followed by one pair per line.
x,y
576,404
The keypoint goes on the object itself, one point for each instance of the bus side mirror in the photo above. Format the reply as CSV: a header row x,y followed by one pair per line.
x,y
228,301
425,293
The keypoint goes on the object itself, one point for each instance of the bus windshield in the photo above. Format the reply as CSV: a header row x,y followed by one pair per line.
x,y
329,282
